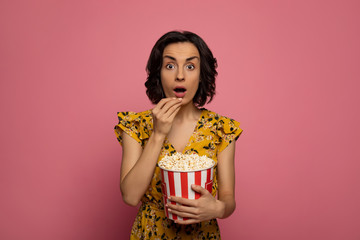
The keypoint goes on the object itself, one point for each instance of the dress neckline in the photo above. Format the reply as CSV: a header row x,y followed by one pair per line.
x,y
203,110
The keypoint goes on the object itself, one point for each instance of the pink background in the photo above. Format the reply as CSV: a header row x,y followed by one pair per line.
x,y
288,72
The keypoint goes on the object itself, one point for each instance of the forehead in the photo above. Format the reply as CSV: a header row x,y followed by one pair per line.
x,y
181,50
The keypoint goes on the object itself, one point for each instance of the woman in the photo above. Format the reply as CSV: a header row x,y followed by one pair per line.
x,y
181,79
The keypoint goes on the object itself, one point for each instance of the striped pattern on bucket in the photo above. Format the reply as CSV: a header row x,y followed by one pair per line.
x,y
179,184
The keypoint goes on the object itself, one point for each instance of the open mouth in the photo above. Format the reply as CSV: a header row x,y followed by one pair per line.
x,y
180,89
179,92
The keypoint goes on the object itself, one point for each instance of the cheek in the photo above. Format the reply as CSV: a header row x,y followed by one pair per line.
x,y
195,81
163,78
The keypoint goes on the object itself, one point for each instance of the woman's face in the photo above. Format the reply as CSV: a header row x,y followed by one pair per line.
x,y
180,71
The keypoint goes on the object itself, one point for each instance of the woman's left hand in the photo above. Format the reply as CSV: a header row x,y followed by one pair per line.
x,y
205,208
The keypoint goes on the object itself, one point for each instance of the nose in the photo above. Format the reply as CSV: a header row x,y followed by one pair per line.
x,y
180,75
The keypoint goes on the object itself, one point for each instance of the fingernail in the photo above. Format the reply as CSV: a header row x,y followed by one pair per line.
x,y
169,198
180,99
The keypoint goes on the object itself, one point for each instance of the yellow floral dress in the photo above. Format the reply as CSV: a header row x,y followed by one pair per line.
x,y
212,134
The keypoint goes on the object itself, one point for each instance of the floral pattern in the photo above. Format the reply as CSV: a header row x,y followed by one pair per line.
x,y
212,134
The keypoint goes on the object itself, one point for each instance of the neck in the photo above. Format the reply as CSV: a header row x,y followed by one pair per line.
x,y
187,112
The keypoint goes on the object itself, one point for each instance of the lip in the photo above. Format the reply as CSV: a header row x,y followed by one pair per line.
x,y
180,94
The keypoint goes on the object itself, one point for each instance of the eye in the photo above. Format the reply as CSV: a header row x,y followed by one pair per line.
x,y
169,66
190,67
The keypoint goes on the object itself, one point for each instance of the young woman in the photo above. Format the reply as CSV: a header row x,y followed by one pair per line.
x,y
181,79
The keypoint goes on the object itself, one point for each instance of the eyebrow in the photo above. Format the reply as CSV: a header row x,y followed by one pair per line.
x,y
188,59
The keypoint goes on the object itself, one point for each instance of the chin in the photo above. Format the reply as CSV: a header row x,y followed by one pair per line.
x,y
186,102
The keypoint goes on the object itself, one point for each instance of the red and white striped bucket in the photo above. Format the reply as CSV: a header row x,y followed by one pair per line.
x,y
178,183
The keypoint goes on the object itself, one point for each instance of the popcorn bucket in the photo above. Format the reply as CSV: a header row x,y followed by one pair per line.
x,y
178,183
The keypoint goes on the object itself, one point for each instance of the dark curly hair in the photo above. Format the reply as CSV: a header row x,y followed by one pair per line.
x,y
208,65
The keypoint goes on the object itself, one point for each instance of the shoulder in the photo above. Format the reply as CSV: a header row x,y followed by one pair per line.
x,y
219,119
135,116
137,124
223,125
139,121
226,128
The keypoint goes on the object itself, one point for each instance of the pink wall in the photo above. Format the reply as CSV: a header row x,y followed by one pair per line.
x,y
288,71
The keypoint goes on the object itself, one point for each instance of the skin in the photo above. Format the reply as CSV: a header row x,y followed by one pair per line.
x,y
181,67
175,119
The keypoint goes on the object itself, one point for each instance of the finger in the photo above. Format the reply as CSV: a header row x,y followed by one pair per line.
x,y
182,208
161,103
183,214
171,113
183,201
169,104
199,189
163,107
165,113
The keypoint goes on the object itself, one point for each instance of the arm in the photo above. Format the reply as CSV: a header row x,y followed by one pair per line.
x,y
138,165
207,207
226,180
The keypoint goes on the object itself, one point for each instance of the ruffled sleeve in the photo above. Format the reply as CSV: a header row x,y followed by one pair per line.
x,y
134,124
228,130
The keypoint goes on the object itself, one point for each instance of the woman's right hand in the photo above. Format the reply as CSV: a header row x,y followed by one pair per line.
x,y
164,114
138,161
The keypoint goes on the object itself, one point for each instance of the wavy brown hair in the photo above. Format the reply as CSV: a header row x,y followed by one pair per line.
x,y
208,65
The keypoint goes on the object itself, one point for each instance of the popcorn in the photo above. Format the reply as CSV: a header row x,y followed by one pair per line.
x,y
185,162
179,172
